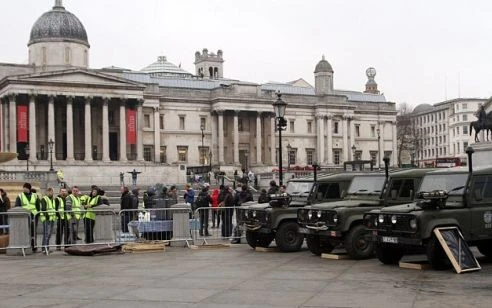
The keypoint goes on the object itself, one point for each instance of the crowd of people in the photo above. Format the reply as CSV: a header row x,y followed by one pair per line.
x,y
60,214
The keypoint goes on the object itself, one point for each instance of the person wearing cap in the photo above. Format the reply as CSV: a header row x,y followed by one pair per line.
x,y
30,202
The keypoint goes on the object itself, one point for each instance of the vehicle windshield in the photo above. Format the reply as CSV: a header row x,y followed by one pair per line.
x,y
448,182
299,188
366,184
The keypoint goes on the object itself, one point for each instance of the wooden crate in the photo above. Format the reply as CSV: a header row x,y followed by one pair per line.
x,y
335,256
150,246
210,246
266,249
417,265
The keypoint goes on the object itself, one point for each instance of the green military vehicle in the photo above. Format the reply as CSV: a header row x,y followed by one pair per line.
x,y
277,219
454,197
328,225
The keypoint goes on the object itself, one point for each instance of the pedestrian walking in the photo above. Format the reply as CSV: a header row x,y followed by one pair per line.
x,y
4,207
30,202
63,220
95,200
47,217
126,205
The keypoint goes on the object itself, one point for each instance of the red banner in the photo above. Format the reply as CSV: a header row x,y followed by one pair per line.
x,y
131,126
22,123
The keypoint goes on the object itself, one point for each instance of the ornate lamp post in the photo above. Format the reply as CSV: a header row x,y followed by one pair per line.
x,y
51,144
26,150
279,107
202,157
379,148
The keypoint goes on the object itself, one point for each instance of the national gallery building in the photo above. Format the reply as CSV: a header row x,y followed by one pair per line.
x,y
96,123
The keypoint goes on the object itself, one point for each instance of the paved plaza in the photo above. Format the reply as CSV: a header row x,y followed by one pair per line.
x,y
231,277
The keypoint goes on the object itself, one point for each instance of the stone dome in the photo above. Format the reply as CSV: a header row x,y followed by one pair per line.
x,y
422,108
323,67
58,25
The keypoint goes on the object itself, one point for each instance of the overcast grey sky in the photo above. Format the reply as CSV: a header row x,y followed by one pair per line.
x,y
424,51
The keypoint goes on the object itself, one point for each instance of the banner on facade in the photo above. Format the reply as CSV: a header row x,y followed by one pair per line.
x,y
22,123
131,126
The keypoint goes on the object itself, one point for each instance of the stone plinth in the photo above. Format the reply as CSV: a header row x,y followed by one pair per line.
x,y
483,154
20,235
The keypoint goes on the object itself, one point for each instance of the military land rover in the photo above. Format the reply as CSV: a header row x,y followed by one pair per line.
x,y
454,197
328,225
277,220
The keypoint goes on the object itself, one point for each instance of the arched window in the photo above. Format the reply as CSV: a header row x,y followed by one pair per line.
x,y
216,72
211,72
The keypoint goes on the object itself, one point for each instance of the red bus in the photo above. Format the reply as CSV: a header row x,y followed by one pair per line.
x,y
447,162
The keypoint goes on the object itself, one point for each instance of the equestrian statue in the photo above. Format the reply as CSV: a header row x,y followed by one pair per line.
x,y
484,122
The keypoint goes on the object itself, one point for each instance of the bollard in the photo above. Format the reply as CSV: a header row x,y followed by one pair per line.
x,y
181,224
19,232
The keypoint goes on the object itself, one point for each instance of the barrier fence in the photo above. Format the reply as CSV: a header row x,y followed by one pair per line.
x,y
46,231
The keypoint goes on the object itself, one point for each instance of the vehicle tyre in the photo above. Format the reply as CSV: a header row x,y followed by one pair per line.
x,y
436,256
485,248
389,254
256,239
288,238
357,244
318,245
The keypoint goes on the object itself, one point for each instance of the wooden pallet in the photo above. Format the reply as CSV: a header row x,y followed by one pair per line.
x,y
416,265
266,249
335,256
151,246
210,246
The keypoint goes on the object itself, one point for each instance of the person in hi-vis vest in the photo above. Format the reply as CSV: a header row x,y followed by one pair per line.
x,y
73,207
90,216
63,220
48,217
30,202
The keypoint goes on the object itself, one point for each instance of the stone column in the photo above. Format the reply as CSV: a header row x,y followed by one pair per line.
x,y
140,131
394,160
88,130
123,156
2,126
221,136
51,124
329,152
381,144
105,130
273,146
236,137
12,124
320,138
157,136
258,139
214,130
345,138
32,128
70,157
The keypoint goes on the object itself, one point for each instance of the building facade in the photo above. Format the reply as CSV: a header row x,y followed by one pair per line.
x,y
161,118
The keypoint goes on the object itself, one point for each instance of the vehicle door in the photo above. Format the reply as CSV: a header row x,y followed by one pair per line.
x,y
480,200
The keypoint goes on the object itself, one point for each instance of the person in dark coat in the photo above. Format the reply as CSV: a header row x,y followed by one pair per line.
x,y
263,198
126,205
273,188
203,201
228,202
4,207
243,196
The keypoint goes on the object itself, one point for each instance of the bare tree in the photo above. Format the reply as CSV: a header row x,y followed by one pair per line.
x,y
406,132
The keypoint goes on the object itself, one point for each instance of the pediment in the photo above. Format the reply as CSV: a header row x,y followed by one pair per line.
x,y
78,77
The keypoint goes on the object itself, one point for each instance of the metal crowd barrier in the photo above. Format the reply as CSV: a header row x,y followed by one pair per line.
x,y
217,225
19,220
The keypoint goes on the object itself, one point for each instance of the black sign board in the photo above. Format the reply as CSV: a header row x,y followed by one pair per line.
x,y
457,249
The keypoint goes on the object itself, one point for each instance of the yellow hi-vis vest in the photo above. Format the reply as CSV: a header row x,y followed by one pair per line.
x,y
76,207
50,210
90,214
61,209
29,205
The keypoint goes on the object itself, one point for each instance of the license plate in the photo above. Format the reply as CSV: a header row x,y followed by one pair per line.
x,y
389,239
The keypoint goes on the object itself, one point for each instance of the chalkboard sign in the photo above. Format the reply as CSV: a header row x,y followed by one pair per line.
x,y
457,249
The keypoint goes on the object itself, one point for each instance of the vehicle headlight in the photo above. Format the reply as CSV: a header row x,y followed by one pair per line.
x,y
319,214
335,218
381,218
413,223
310,214
376,221
253,214
393,219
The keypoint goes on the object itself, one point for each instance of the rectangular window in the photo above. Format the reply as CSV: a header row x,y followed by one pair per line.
x,y
240,125
163,155
291,124
465,117
146,120
292,157
309,156
373,131
358,155
309,127
161,122
336,157
203,123
111,117
335,128
373,155
458,147
465,130
465,145
465,106
147,153
457,131
357,130
181,122
444,151
444,139
457,106
182,153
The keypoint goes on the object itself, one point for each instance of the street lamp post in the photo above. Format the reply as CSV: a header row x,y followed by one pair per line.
x,y
315,167
353,151
379,148
202,158
51,144
279,107
26,150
